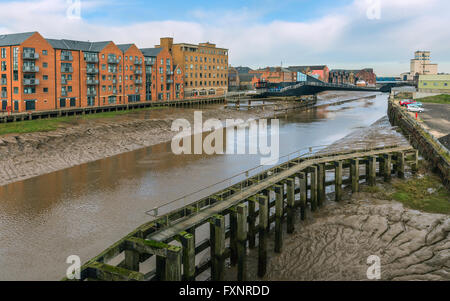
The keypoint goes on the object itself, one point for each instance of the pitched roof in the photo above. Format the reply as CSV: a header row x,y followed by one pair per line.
x,y
151,51
78,45
301,68
15,38
248,77
124,47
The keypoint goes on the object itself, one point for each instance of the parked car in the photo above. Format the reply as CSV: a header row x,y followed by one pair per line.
x,y
413,108
406,102
417,104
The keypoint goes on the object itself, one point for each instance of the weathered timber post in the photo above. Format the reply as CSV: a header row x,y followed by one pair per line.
x,y
241,210
313,188
381,158
303,195
279,191
387,158
217,246
321,184
233,237
415,166
251,223
367,161
132,260
173,264
263,223
354,171
372,170
290,184
401,165
338,180
266,192
188,242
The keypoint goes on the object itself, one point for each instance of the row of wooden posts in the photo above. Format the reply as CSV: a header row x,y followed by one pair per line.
x,y
173,261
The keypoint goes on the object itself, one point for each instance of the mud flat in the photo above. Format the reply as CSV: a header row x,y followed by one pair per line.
x,y
24,156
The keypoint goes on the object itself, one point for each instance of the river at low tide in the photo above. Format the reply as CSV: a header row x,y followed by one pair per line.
x,y
83,210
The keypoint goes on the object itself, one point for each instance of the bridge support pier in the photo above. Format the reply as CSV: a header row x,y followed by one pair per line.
x,y
338,180
372,170
241,211
217,238
279,204
290,184
354,172
263,224
321,184
303,195
387,159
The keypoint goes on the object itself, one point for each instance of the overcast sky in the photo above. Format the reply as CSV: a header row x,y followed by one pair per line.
x,y
382,34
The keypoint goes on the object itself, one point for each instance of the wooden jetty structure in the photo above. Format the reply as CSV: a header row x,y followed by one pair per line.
x,y
241,216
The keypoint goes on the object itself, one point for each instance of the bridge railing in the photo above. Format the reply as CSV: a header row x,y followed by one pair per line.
x,y
211,189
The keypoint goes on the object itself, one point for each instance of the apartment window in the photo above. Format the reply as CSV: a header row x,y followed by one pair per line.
x,y
16,90
126,68
161,70
29,90
45,90
45,65
126,58
162,61
104,88
103,77
103,56
103,66
3,53
3,66
168,62
45,77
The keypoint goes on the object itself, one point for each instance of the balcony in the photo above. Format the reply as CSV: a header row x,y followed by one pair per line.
x,y
63,93
91,59
169,72
66,69
68,58
138,71
3,82
148,71
170,81
113,60
30,56
27,68
149,62
138,81
92,70
30,82
91,93
138,62
4,94
92,82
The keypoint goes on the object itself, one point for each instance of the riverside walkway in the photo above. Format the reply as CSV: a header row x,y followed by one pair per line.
x,y
240,216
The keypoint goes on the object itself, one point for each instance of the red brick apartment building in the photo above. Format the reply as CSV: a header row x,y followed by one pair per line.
x,y
39,74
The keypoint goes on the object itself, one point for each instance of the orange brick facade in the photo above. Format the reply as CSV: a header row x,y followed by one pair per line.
x,y
39,74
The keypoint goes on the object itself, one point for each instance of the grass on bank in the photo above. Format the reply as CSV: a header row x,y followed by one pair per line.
x,y
426,194
52,124
441,99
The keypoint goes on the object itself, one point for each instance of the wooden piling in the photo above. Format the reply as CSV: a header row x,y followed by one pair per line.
x,y
313,190
303,195
321,184
372,170
132,260
290,185
387,158
354,171
338,180
251,224
279,191
217,238
401,165
263,223
241,210
233,237
173,264
188,242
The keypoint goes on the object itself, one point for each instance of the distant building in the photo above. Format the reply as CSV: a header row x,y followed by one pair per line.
x,y
276,75
439,83
352,77
240,78
420,65
320,72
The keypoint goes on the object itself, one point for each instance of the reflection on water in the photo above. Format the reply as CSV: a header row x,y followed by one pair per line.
x,y
84,209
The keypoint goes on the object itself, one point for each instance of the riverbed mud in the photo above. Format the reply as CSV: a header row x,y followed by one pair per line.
x,y
24,156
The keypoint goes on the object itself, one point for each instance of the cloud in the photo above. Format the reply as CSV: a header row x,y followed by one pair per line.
x,y
342,37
